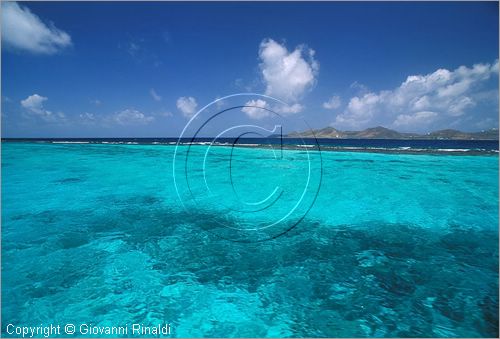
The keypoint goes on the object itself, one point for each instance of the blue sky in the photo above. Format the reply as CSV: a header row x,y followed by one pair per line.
x,y
143,69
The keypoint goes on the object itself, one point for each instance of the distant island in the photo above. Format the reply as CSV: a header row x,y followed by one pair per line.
x,y
386,133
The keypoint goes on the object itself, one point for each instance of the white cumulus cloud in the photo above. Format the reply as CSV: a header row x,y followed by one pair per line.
x,y
287,75
34,106
187,105
256,109
417,119
34,103
23,30
333,103
131,116
420,99
259,109
289,109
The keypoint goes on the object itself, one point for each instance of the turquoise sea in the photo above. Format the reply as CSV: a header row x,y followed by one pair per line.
x,y
394,245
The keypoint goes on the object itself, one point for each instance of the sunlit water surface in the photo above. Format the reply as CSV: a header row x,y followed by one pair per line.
x,y
394,245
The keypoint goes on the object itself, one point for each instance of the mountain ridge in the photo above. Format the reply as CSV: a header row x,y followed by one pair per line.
x,y
380,132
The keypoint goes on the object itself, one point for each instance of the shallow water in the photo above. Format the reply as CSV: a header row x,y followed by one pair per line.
x,y
394,245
